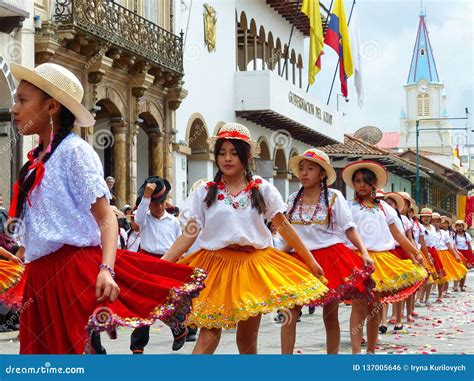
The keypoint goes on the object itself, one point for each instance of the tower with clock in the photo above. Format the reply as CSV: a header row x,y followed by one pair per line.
x,y
424,98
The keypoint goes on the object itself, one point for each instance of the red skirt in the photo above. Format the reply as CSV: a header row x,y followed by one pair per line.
x,y
60,311
400,253
347,276
468,255
437,262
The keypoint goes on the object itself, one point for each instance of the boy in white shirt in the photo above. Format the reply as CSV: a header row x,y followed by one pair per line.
x,y
158,231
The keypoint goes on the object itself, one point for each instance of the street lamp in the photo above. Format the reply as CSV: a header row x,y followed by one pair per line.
x,y
431,129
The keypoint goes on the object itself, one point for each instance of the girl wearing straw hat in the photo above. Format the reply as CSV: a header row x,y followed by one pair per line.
x,y
462,242
397,202
70,231
376,220
454,269
246,276
323,220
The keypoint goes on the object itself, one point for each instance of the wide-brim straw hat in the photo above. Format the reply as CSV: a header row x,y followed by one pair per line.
x,y
378,169
61,84
461,222
436,215
235,131
426,212
399,200
415,208
448,219
316,156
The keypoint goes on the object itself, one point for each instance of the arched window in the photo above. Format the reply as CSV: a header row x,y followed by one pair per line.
x,y
423,105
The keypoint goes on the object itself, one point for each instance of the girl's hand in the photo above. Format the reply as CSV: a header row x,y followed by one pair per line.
x,y
419,258
105,287
316,269
16,260
368,261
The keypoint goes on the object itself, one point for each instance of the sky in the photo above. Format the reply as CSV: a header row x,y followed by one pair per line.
x,y
388,31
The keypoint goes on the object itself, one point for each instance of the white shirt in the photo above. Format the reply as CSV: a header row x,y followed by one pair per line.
x,y
462,242
407,224
443,239
133,242
278,242
373,225
222,224
122,237
431,238
61,204
417,230
318,234
157,234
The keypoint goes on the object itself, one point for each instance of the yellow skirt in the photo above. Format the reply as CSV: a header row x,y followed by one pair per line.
x,y
244,284
454,270
432,273
392,274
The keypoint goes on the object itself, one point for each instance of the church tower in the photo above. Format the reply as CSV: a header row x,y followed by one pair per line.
x,y
424,98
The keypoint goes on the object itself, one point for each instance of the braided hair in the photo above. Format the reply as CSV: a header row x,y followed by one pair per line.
x,y
243,150
26,182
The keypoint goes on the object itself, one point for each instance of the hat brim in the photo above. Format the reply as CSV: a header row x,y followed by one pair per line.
x,y
379,171
164,196
399,200
461,223
83,117
295,167
254,146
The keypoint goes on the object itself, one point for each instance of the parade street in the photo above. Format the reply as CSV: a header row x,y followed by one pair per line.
x,y
440,329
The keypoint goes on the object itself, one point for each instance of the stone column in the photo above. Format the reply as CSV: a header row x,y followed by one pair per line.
x,y
119,130
156,151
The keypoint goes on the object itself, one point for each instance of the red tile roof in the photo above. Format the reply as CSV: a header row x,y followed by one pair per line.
x,y
390,140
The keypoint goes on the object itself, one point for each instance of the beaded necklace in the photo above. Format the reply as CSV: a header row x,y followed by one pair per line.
x,y
318,208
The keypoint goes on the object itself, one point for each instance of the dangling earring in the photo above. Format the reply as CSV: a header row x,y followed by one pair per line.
x,y
51,136
373,193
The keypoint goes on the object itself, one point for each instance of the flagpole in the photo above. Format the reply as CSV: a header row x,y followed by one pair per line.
x,y
289,41
327,18
337,66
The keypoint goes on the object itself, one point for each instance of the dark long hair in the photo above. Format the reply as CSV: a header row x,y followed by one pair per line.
x,y
369,178
26,182
243,150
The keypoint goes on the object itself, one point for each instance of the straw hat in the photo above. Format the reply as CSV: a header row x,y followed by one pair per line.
x,y
397,198
436,216
413,205
59,83
316,156
379,193
235,131
415,208
378,169
461,222
426,212
448,219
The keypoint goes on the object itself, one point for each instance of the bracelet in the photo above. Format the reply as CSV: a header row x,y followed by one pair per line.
x,y
110,269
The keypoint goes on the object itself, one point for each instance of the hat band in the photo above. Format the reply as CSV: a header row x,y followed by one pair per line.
x,y
159,194
315,156
232,134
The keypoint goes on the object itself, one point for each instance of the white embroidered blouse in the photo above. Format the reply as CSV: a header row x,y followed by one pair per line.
x,y
60,211
315,232
231,219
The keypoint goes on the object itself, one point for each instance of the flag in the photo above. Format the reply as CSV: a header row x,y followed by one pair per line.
x,y
337,37
316,38
456,153
357,57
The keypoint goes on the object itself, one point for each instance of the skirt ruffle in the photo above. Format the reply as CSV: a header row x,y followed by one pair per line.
x,y
347,276
60,311
454,270
240,285
10,275
468,257
395,279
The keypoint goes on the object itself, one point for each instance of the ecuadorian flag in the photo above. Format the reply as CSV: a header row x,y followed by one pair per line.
x,y
337,37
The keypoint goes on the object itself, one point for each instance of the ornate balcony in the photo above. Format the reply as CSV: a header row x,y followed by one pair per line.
x,y
128,37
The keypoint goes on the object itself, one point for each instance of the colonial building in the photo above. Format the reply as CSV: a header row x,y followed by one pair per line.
x,y
241,67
